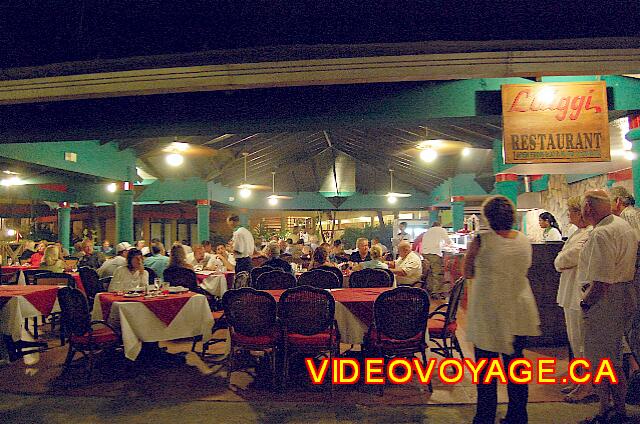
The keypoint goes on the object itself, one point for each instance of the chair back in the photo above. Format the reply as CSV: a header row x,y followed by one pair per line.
x,y
275,280
336,271
90,281
71,263
256,272
249,312
29,275
152,274
401,313
454,301
104,282
306,310
392,276
74,310
54,279
8,277
178,276
242,279
369,278
319,278
258,261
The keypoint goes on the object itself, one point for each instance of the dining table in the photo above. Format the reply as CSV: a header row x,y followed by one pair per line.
x,y
215,283
147,319
19,302
354,310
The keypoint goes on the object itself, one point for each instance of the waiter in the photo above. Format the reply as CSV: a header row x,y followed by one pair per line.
x,y
243,244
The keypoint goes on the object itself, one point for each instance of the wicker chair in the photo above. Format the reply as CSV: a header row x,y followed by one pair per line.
x,y
83,337
29,275
91,283
369,278
152,274
47,278
275,280
185,277
307,317
10,277
256,272
242,279
319,278
336,271
399,325
442,331
104,282
253,325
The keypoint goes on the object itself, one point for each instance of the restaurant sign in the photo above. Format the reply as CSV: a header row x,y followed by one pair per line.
x,y
555,122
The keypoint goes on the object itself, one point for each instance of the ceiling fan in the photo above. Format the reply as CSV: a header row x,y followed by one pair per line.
x,y
245,187
273,198
392,197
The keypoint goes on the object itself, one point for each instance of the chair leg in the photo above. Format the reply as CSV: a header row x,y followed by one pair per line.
x,y
285,367
273,368
331,370
35,328
90,364
229,365
456,344
424,361
70,354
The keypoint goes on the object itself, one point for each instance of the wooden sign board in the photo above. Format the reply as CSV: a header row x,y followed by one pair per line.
x,y
555,122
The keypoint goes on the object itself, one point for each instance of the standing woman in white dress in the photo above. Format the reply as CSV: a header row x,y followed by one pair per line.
x,y
502,309
570,293
550,226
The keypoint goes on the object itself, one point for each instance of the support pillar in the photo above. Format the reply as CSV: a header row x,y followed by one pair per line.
x,y
507,186
124,213
203,207
434,214
64,224
634,137
457,212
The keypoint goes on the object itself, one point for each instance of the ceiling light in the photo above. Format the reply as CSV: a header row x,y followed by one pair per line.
x,y
392,199
6,171
626,145
428,155
111,188
11,232
174,159
245,192
11,181
273,201
466,152
181,147
630,156
273,198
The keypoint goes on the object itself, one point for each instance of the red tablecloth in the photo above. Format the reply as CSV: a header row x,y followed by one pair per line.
x,y
6,269
41,297
76,277
229,275
358,301
165,308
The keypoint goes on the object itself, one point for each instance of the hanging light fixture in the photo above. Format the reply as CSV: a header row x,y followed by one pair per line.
x,y
392,197
245,187
274,198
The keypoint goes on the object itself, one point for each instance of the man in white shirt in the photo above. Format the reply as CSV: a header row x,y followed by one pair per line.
x,y
432,241
222,260
607,265
199,258
243,244
110,265
408,267
622,205
402,235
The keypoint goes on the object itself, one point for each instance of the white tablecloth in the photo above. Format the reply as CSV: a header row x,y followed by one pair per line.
x,y
215,284
13,314
138,324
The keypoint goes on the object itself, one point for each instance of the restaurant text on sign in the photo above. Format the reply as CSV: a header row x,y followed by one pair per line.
x,y
555,122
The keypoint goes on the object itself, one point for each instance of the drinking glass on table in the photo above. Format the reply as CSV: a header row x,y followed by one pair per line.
x,y
156,284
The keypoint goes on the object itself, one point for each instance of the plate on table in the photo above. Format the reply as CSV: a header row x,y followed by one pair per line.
x,y
133,295
178,289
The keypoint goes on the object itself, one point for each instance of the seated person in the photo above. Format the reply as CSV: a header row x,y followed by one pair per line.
x,y
51,260
158,261
376,242
178,258
375,262
109,266
295,250
29,249
337,254
362,254
272,251
141,245
130,276
89,257
36,258
408,267
198,258
63,253
321,259
222,260
106,248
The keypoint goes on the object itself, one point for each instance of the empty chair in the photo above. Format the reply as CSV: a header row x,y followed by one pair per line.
x,y
251,318
178,276
399,324
29,275
442,331
369,277
320,279
54,279
241,279
84,336
275,280
256,272
307,318
91,283
335,270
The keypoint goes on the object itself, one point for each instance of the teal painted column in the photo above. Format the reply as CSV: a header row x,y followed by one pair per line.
x,y
457,212
507,186
203,208
64,224
124,214
434,215
634,137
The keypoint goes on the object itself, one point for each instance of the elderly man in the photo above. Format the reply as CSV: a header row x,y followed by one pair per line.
x,y
362,253
110,265
158,261
607,265
272,251
199,257
408,267
243,244
622,205
89,257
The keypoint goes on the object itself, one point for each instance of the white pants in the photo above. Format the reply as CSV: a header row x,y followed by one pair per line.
x,y
575,331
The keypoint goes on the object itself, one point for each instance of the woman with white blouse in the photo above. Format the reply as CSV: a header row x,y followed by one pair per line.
x,y
550,226
569,293
502,309
130,276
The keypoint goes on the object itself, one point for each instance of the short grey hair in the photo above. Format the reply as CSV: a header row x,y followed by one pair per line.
x,y
623,194
272,250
